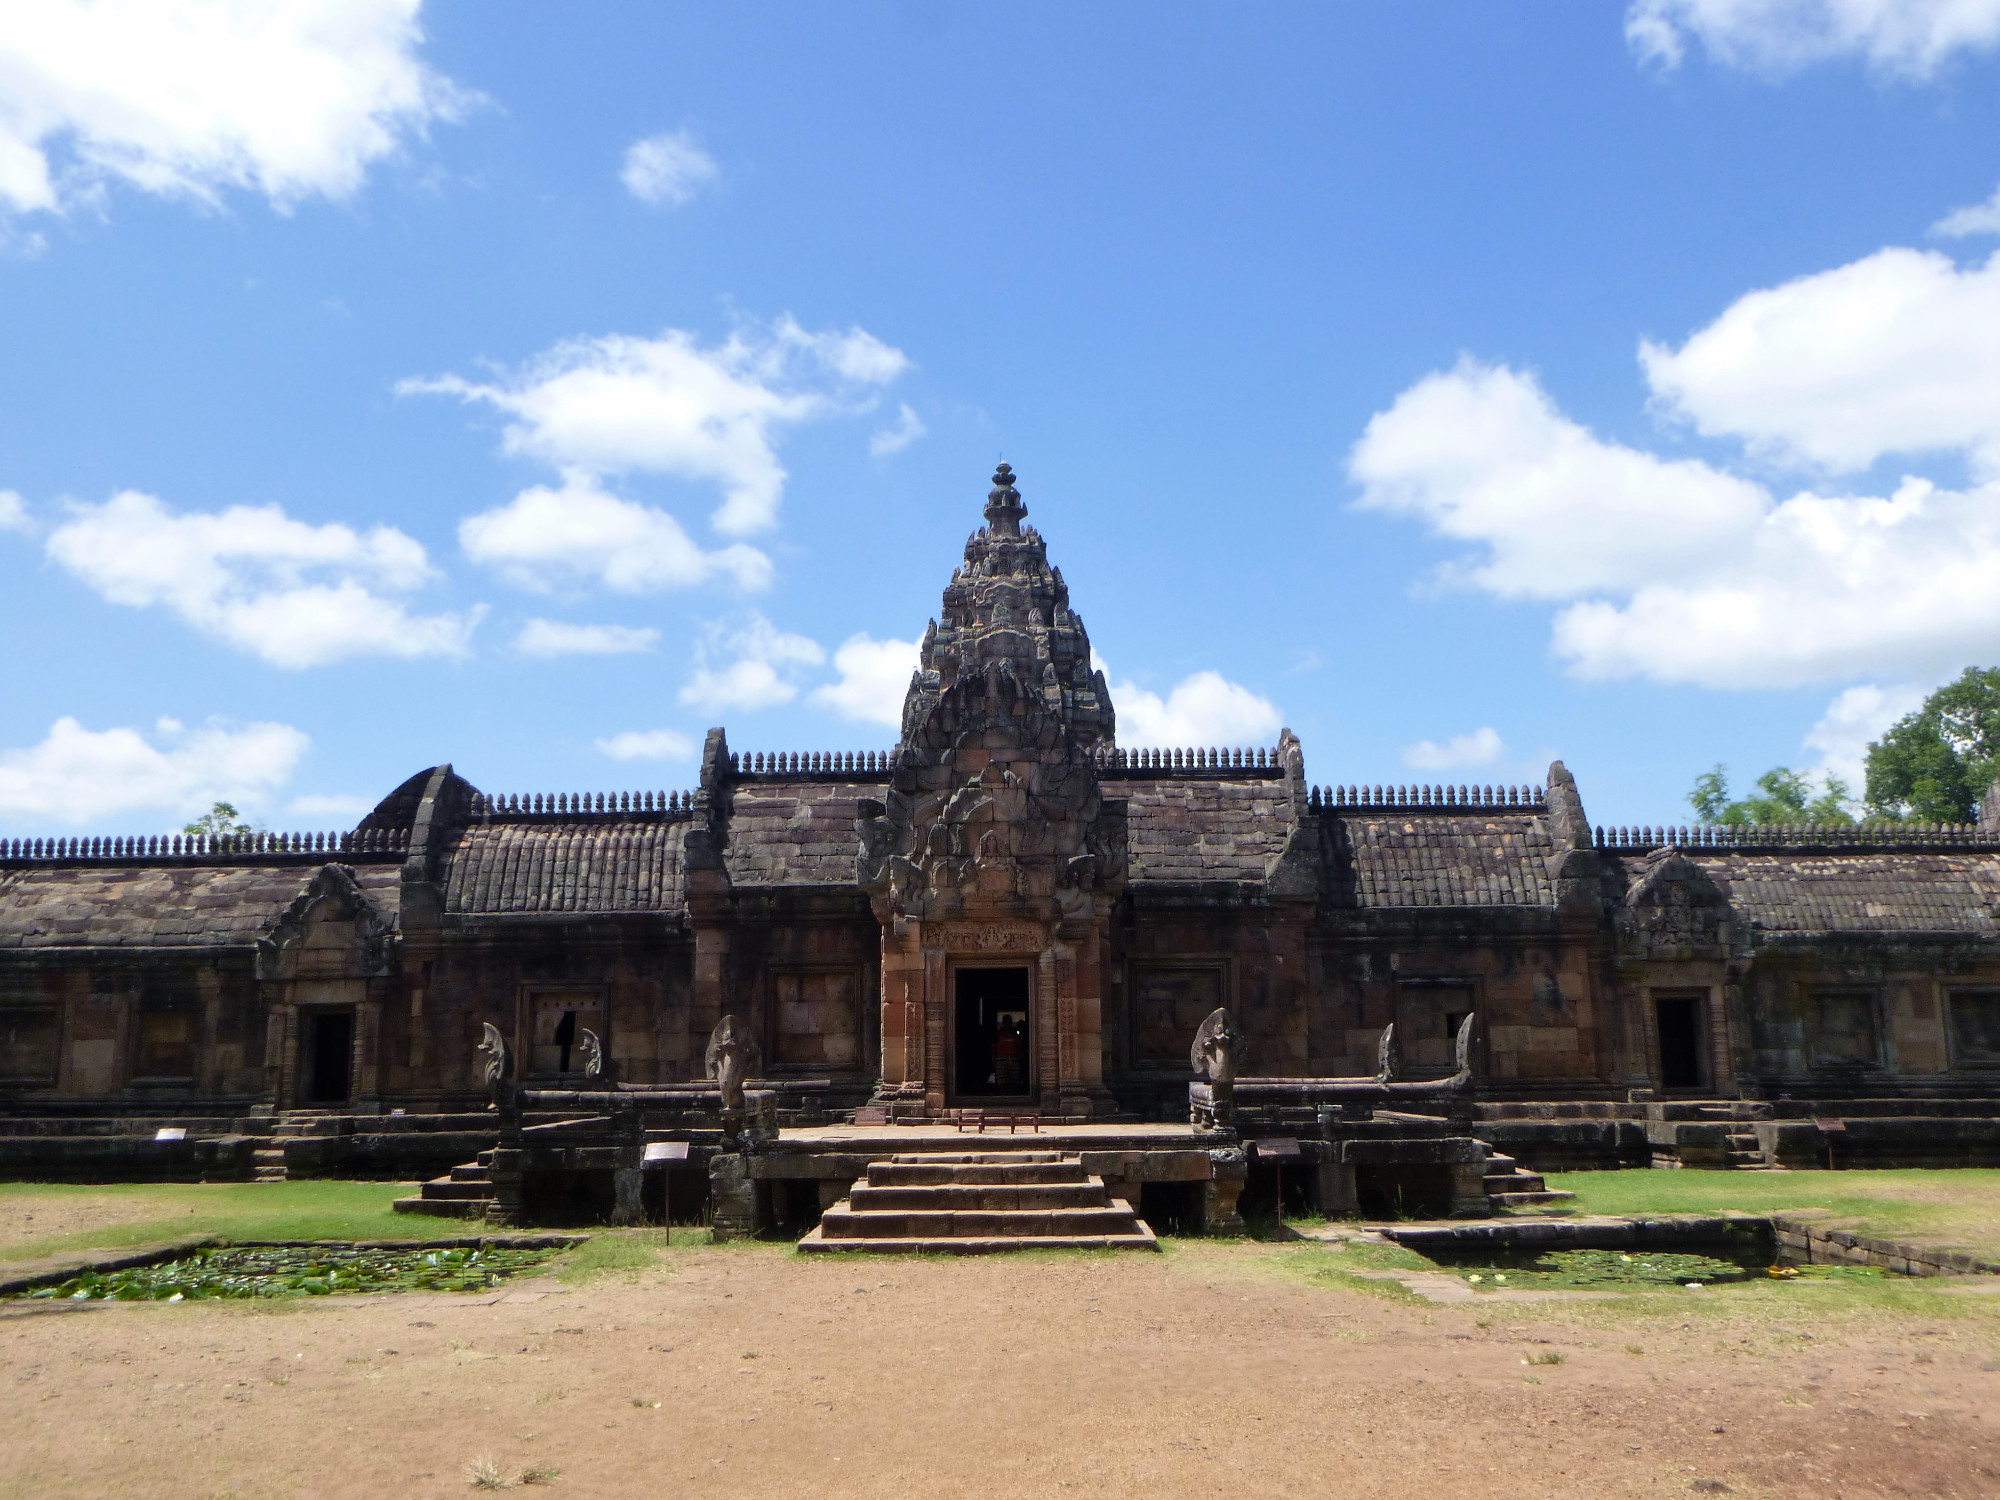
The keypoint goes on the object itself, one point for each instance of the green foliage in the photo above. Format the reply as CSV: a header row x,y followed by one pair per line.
x,y
1787,797
220,821
1935,764
295,1271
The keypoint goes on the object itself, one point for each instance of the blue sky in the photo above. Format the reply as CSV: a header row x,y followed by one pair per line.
x,y
532,388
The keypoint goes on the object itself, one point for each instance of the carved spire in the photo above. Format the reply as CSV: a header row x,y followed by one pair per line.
x,y
1004,509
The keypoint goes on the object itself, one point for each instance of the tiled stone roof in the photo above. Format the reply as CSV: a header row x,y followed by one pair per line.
x,y
140,906
1466,859
1853,891
580,866
1195,830
795,832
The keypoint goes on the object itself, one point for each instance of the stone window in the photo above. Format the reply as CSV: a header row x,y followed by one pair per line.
x,y
169,1033
1975,1025
558,1020
1168,1007
1428,1012
28,1045
817,1021
1844,1031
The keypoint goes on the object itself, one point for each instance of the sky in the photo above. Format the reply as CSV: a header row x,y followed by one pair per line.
x,y
532,388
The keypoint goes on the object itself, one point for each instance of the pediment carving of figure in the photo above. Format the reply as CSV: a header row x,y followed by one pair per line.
x,y
1675,905
330,927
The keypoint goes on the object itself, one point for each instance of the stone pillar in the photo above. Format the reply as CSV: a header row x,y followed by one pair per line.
x,y
736,1199
1338,1198
711,976
1468,1190
1227,1170
1048,1034
936,1065
627,1187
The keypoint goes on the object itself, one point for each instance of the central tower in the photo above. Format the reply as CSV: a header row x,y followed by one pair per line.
x,y
994,861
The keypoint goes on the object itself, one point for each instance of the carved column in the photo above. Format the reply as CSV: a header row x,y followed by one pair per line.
x,y
934,1026
1048,1032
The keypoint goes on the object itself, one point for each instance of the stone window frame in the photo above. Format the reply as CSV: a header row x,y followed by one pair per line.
x,y
1221,965
863,1060
1955,1058
1481,1027
57,1015
1877,995
524,1018
152,999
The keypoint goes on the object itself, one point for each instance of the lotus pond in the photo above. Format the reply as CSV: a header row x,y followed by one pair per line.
x,y
1619,1270
298,1271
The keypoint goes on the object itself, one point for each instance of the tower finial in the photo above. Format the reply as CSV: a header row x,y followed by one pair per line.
x,y
1003,503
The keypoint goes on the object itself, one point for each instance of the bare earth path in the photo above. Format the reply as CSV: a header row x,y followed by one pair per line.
x,y
1208,1370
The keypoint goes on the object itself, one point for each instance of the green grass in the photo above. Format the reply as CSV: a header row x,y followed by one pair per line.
x,y
1960,1208
616,1251
231,1210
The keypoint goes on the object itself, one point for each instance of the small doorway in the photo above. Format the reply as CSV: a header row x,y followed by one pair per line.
x,y
1680,1041
329,1056
991,1039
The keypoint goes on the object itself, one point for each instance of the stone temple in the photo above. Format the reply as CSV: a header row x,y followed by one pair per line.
x,y
1005,910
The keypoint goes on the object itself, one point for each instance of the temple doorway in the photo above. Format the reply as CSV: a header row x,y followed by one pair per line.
x,y
991,1033
1679,1018
329,1056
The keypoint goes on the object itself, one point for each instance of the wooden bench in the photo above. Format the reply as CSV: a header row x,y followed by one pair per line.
x,y
1013,1119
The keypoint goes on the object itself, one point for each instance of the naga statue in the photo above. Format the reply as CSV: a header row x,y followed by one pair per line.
x,y
496,1067
590,1053
1388,1057
732,1057
1213,1056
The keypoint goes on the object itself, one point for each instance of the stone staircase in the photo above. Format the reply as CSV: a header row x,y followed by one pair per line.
x,y
270,1157
1507,1186
465,1192
971,1203
1745,1154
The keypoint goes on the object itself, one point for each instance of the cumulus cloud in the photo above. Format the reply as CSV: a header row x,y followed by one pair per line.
x,y
667,405
907,429
747,665
1904,38
666,170
13,512
318,806
557,638
1898,352
1707,578
1480,748
1974,218
294,594
1201,710
78,775
1856,718
874,678
191,98
647,744
544,539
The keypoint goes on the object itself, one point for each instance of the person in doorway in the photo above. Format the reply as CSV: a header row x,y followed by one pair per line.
x,y
565,1038
1007,1057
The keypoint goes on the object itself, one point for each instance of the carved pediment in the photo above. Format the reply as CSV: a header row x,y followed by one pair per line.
x,y
1675,906
331,929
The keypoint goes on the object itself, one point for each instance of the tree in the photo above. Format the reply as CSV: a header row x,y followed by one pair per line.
x,y
220,821
1787,798
1934,765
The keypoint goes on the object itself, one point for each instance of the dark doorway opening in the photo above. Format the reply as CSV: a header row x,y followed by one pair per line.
x,y
330,1056
1171,1207
1680,1041
991,1038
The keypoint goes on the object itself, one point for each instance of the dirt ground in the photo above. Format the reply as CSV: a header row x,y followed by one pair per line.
x,y
751,1370
44,1217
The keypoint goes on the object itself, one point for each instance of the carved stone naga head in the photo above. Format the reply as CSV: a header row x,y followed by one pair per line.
x,y
1213,1055
732,1058
495,1063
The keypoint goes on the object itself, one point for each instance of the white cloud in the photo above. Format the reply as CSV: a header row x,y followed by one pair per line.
x,y
666,170
1906,38
747,666
874,678
294,594
78,775
334,808
546,538
1482,455
1203,710
13,512
908,428
647,744
559,638
1480,748
666,405
1703,578
1857,717
1898,352
190,98
1974,218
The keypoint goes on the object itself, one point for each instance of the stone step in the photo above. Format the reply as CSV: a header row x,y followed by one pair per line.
x,y
922,1173
444,1208
1515,1182
1116,1218
1141,1240
1530,1199
443,1188
1742,1159
1499,1161
998,1197
470,1171
994,1158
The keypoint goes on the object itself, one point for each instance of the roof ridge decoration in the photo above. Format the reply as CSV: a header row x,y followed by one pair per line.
x,y
511,806
1699,837
165,848
1432,799
1006,613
